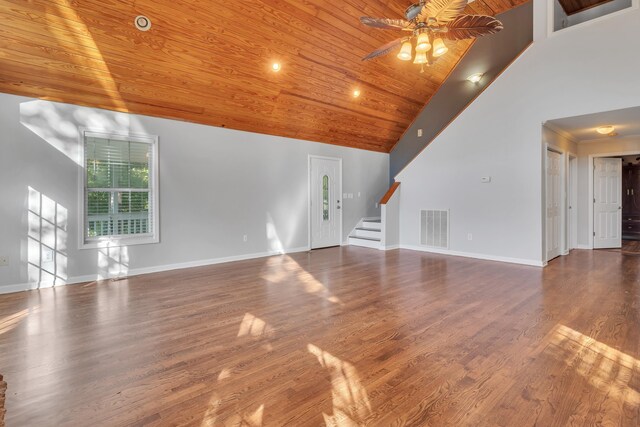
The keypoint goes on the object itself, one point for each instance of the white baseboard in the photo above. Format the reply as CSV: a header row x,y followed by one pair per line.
x,y
531,262
390,247
145,270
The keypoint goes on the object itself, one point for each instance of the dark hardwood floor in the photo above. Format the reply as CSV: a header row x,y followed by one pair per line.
x,y
631,247
342,336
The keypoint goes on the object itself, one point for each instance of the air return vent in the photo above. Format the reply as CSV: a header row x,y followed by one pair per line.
x,y
434,228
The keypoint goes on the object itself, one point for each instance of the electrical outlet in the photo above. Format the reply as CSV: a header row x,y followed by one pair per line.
x,y
4,261
419,133
469,236
244,238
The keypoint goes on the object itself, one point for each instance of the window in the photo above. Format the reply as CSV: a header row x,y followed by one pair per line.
x,y
325,198
567,13
120,190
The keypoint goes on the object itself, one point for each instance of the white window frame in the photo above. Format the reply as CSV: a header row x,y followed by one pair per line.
x,y
114,241
552,32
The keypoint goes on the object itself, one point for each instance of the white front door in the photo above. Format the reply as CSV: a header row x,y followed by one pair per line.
x,y
607,203
326,209
554,189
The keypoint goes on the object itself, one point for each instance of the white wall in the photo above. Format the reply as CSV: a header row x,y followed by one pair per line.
x,y
613,146
499,136
559,141
390,219
215,186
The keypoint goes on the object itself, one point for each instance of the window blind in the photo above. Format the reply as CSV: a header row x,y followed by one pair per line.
x,y
118,188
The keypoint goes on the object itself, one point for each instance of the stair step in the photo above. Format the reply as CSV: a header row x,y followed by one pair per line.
x,y
367,233
373,239
372,225
367,242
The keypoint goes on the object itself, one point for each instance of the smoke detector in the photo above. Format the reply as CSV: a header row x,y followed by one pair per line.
x,y
142,23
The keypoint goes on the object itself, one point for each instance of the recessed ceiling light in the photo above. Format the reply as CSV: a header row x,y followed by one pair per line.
x,y
276,66
605,130
475,78
356,93
142,23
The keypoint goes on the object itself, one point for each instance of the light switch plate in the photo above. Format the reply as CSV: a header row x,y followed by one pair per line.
x,y
485,179
419,133
4,261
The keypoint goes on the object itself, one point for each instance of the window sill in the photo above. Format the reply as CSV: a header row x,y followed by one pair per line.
x,y
114,243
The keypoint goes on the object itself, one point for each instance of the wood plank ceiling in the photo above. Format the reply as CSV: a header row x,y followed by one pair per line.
x,y
572,7
209,62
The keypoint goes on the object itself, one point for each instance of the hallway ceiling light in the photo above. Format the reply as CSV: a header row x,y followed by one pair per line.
x,y
276,66
605,130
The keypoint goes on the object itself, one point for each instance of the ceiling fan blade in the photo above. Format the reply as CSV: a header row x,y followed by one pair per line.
x,y
413,11
471,26
383,50
387,24
443,11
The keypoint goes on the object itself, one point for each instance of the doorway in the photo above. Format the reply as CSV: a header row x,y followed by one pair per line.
x,y
325,210
572,203
631,203
554,208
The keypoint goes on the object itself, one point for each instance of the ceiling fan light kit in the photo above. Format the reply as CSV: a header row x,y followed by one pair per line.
x,y
431,22
423,44
406,51
439,48
421,58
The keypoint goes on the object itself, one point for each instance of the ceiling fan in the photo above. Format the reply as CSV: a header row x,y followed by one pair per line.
x,y
429,22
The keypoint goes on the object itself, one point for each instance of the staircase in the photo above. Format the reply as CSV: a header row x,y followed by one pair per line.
x,y
368,233
380,233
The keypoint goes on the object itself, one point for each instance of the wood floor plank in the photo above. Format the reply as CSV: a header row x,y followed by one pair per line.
x,y
341,336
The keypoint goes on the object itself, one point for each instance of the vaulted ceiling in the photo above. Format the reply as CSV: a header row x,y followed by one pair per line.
x,y
210,62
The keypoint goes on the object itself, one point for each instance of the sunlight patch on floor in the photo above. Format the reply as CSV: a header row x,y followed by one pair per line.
x,y
254,326
251,418
605,368
9,322
210,416
351,405
286,269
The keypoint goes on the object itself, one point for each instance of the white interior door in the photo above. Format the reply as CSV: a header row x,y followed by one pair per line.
x,y
326,210
572,203
607,203
554,191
